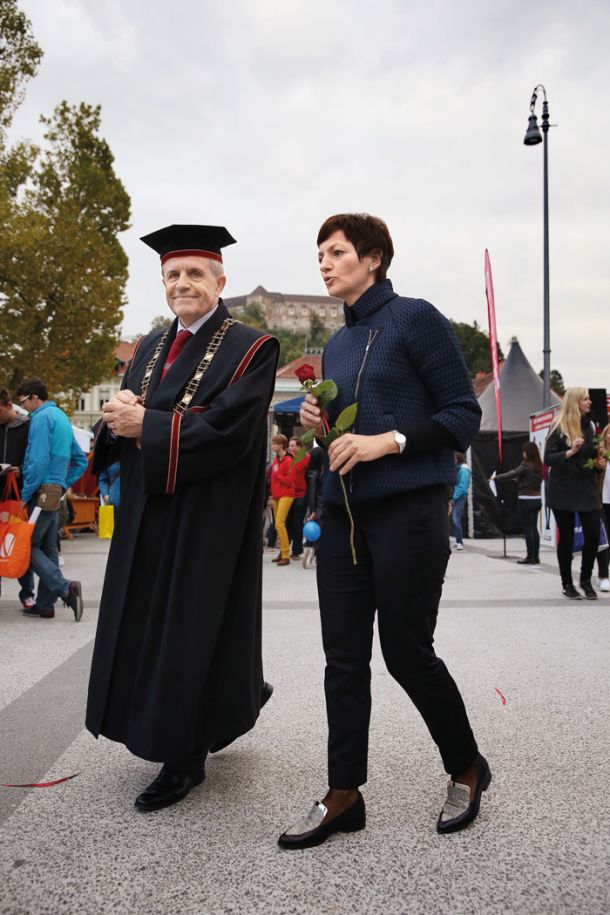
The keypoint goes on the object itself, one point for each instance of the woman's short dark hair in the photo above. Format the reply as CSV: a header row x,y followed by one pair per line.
x,y
368,234
532,454
31,386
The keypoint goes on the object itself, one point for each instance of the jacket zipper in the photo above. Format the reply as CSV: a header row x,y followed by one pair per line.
x,y
358,379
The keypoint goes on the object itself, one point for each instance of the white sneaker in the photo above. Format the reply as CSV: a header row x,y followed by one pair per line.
x,y
28,602
459,546
604,584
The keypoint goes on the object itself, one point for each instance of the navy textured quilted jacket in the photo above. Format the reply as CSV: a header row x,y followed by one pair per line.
x,y
400,360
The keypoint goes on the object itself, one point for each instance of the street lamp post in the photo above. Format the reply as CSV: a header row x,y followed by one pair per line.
x,y
532,138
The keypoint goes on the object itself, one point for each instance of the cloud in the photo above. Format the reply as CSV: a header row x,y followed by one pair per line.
x,y
267,116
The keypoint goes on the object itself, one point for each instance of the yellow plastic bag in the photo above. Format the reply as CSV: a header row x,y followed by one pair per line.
x,y
105,523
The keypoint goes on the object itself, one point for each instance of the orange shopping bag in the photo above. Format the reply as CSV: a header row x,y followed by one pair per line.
x,y
15,532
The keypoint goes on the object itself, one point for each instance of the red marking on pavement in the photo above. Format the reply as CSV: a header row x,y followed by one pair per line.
x,y
502,697
57,781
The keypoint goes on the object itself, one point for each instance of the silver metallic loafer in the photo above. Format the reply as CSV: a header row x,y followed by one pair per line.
x,y
459,810
314,829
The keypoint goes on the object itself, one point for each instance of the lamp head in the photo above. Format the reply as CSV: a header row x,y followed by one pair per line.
x,y
532,134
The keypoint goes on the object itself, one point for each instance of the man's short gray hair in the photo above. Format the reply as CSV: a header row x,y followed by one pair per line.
x,y
216,267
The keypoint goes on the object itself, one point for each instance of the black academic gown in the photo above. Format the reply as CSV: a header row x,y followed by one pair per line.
x,y
177,660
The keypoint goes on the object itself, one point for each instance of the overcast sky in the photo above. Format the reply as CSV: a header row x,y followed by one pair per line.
x,y
268,116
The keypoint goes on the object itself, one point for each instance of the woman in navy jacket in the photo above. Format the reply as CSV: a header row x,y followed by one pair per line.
x,y
399,359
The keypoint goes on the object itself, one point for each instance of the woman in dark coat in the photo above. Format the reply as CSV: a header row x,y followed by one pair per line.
x,y
528,476
399,359
573,486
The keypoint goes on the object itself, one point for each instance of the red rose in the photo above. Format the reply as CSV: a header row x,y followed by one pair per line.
x,y
305,373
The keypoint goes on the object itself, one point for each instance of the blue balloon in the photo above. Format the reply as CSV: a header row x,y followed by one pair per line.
x,y
311,530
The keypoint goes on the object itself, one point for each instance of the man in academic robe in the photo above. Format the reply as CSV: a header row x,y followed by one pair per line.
x,y
177,665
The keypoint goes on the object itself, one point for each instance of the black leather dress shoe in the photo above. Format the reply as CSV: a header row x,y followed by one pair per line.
x,y
266,693
459,810
168,788
315,829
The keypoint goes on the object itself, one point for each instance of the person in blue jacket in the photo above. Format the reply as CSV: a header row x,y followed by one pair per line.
x,y
460,497
54,457
109,482
399,360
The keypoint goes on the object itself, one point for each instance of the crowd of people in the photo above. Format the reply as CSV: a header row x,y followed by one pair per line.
x,y
40,450
293,483
177,668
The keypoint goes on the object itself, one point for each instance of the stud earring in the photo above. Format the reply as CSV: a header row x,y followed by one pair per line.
x,y
370,269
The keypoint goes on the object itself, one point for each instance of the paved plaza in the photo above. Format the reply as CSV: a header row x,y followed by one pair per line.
x,y
541,843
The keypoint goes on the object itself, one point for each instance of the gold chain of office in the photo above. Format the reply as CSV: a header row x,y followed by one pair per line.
x,y
191,389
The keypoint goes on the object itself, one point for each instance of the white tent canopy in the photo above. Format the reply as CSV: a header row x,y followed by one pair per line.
x,y
83,437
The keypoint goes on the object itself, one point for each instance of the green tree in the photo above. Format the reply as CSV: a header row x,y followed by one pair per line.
x,y
19,59
292,344
557,382
318,332
62,269
161,322
474,344
254,315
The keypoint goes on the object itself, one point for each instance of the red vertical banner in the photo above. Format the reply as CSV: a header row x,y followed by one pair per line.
x,y
493,346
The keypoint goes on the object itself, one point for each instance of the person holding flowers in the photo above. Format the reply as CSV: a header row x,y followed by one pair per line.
x,y
573,486
395,403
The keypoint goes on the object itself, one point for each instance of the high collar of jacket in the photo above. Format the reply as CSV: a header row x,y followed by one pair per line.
x,y
375,297
44,406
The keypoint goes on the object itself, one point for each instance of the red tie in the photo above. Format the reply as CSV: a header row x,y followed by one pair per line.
x,y
180,340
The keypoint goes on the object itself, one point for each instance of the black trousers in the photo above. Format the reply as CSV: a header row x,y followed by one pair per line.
x,y
402,547
590,530
294,524
527,510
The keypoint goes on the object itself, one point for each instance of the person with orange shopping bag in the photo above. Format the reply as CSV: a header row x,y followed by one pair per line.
x,y
53,462
14,428
15,532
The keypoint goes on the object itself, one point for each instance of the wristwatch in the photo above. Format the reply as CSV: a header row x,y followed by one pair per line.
x,y
400,439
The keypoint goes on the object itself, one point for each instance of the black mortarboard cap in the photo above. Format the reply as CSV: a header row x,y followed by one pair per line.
x,y
173,241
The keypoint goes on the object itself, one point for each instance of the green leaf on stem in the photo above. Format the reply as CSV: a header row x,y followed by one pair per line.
x,y
308,437
346,418
298,457
325,391
331,436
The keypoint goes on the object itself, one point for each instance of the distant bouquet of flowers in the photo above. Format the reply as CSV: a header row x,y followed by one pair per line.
x,y
325,392
601,458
